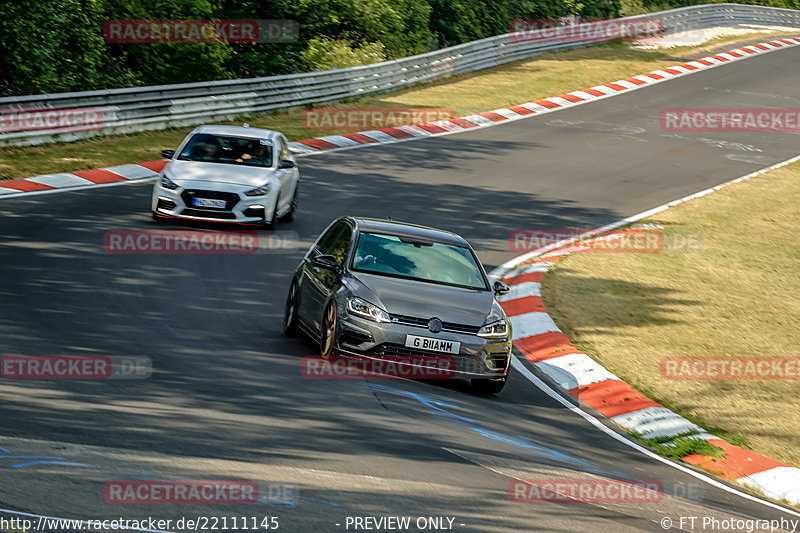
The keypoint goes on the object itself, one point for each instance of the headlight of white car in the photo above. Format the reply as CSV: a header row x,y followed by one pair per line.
x,y
364,309
259,191
168,183
495,330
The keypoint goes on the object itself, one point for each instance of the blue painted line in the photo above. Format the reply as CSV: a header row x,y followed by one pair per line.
x,y
20,465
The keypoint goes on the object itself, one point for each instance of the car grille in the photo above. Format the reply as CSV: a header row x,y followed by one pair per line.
x,y
423,323
231,199
222,215
499,359
400,353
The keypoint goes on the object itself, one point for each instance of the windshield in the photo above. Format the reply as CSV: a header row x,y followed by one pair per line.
x,y
433,262
232,150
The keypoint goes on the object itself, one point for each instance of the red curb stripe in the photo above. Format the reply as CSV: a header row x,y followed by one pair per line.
x,y
572,98
720,58
464,123
636,82
594,92
545,346
748,51
431,128
550,258
616,86
672,71
704,62
319,144
738,463
521,110
690,67
359,138
495,117
612,397
654,76
547,103
25,186
155,166
776,43
785,41
397,133
520,306
99,176
735,54
535,277
761,47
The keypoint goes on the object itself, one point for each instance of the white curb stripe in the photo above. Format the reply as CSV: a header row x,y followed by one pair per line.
x,y
530,324
132,171
780,483
575,370
59,181
654,422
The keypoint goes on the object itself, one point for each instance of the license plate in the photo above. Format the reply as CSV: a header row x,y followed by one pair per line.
x,y
434,345
208,202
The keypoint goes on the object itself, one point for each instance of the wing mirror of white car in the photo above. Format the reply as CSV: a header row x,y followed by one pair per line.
x,y
500,288
287,163
167,154
327,262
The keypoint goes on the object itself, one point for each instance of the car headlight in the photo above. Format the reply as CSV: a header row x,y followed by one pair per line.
x,y
168,183
259,191
495,330
364,309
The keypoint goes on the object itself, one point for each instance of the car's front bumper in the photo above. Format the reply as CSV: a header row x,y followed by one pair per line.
x,y
478,357
239,209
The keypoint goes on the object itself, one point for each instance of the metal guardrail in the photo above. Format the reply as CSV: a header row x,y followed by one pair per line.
x,y
159,107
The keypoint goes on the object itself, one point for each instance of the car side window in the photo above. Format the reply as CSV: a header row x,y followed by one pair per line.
x,y
326,243
341,243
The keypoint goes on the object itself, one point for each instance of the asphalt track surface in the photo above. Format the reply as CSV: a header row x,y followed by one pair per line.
x,y
227,400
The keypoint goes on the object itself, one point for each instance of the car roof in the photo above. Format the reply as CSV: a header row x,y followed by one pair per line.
x,y
404,229
237,131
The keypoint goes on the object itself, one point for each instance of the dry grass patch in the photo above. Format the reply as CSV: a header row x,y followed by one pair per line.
x,y
737,297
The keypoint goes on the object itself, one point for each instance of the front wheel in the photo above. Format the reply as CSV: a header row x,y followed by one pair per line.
x,y
289,216
488,386
327,340
290,328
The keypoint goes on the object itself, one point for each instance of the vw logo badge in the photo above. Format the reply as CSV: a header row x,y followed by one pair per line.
x,y
435,325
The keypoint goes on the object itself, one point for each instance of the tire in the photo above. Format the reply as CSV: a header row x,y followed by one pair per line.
x,y
290,322
488,386
327,340
289,217
273,224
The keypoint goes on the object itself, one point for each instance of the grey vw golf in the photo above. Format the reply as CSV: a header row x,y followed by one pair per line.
x,y
387,290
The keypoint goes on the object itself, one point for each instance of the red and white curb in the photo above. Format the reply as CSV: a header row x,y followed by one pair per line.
x,y
81,179
554,103
344,141
550,351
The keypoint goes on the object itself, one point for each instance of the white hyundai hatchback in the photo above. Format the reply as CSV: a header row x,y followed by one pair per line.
x,y
228,174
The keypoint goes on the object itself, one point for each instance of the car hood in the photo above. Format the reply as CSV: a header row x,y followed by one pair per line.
x,y
423,300
187,172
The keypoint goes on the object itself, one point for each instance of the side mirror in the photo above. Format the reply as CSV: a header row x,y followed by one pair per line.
x,y
500,288
287,163
167,154
328,262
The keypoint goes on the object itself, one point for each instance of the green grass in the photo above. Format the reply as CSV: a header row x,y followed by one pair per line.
x,y
546,75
